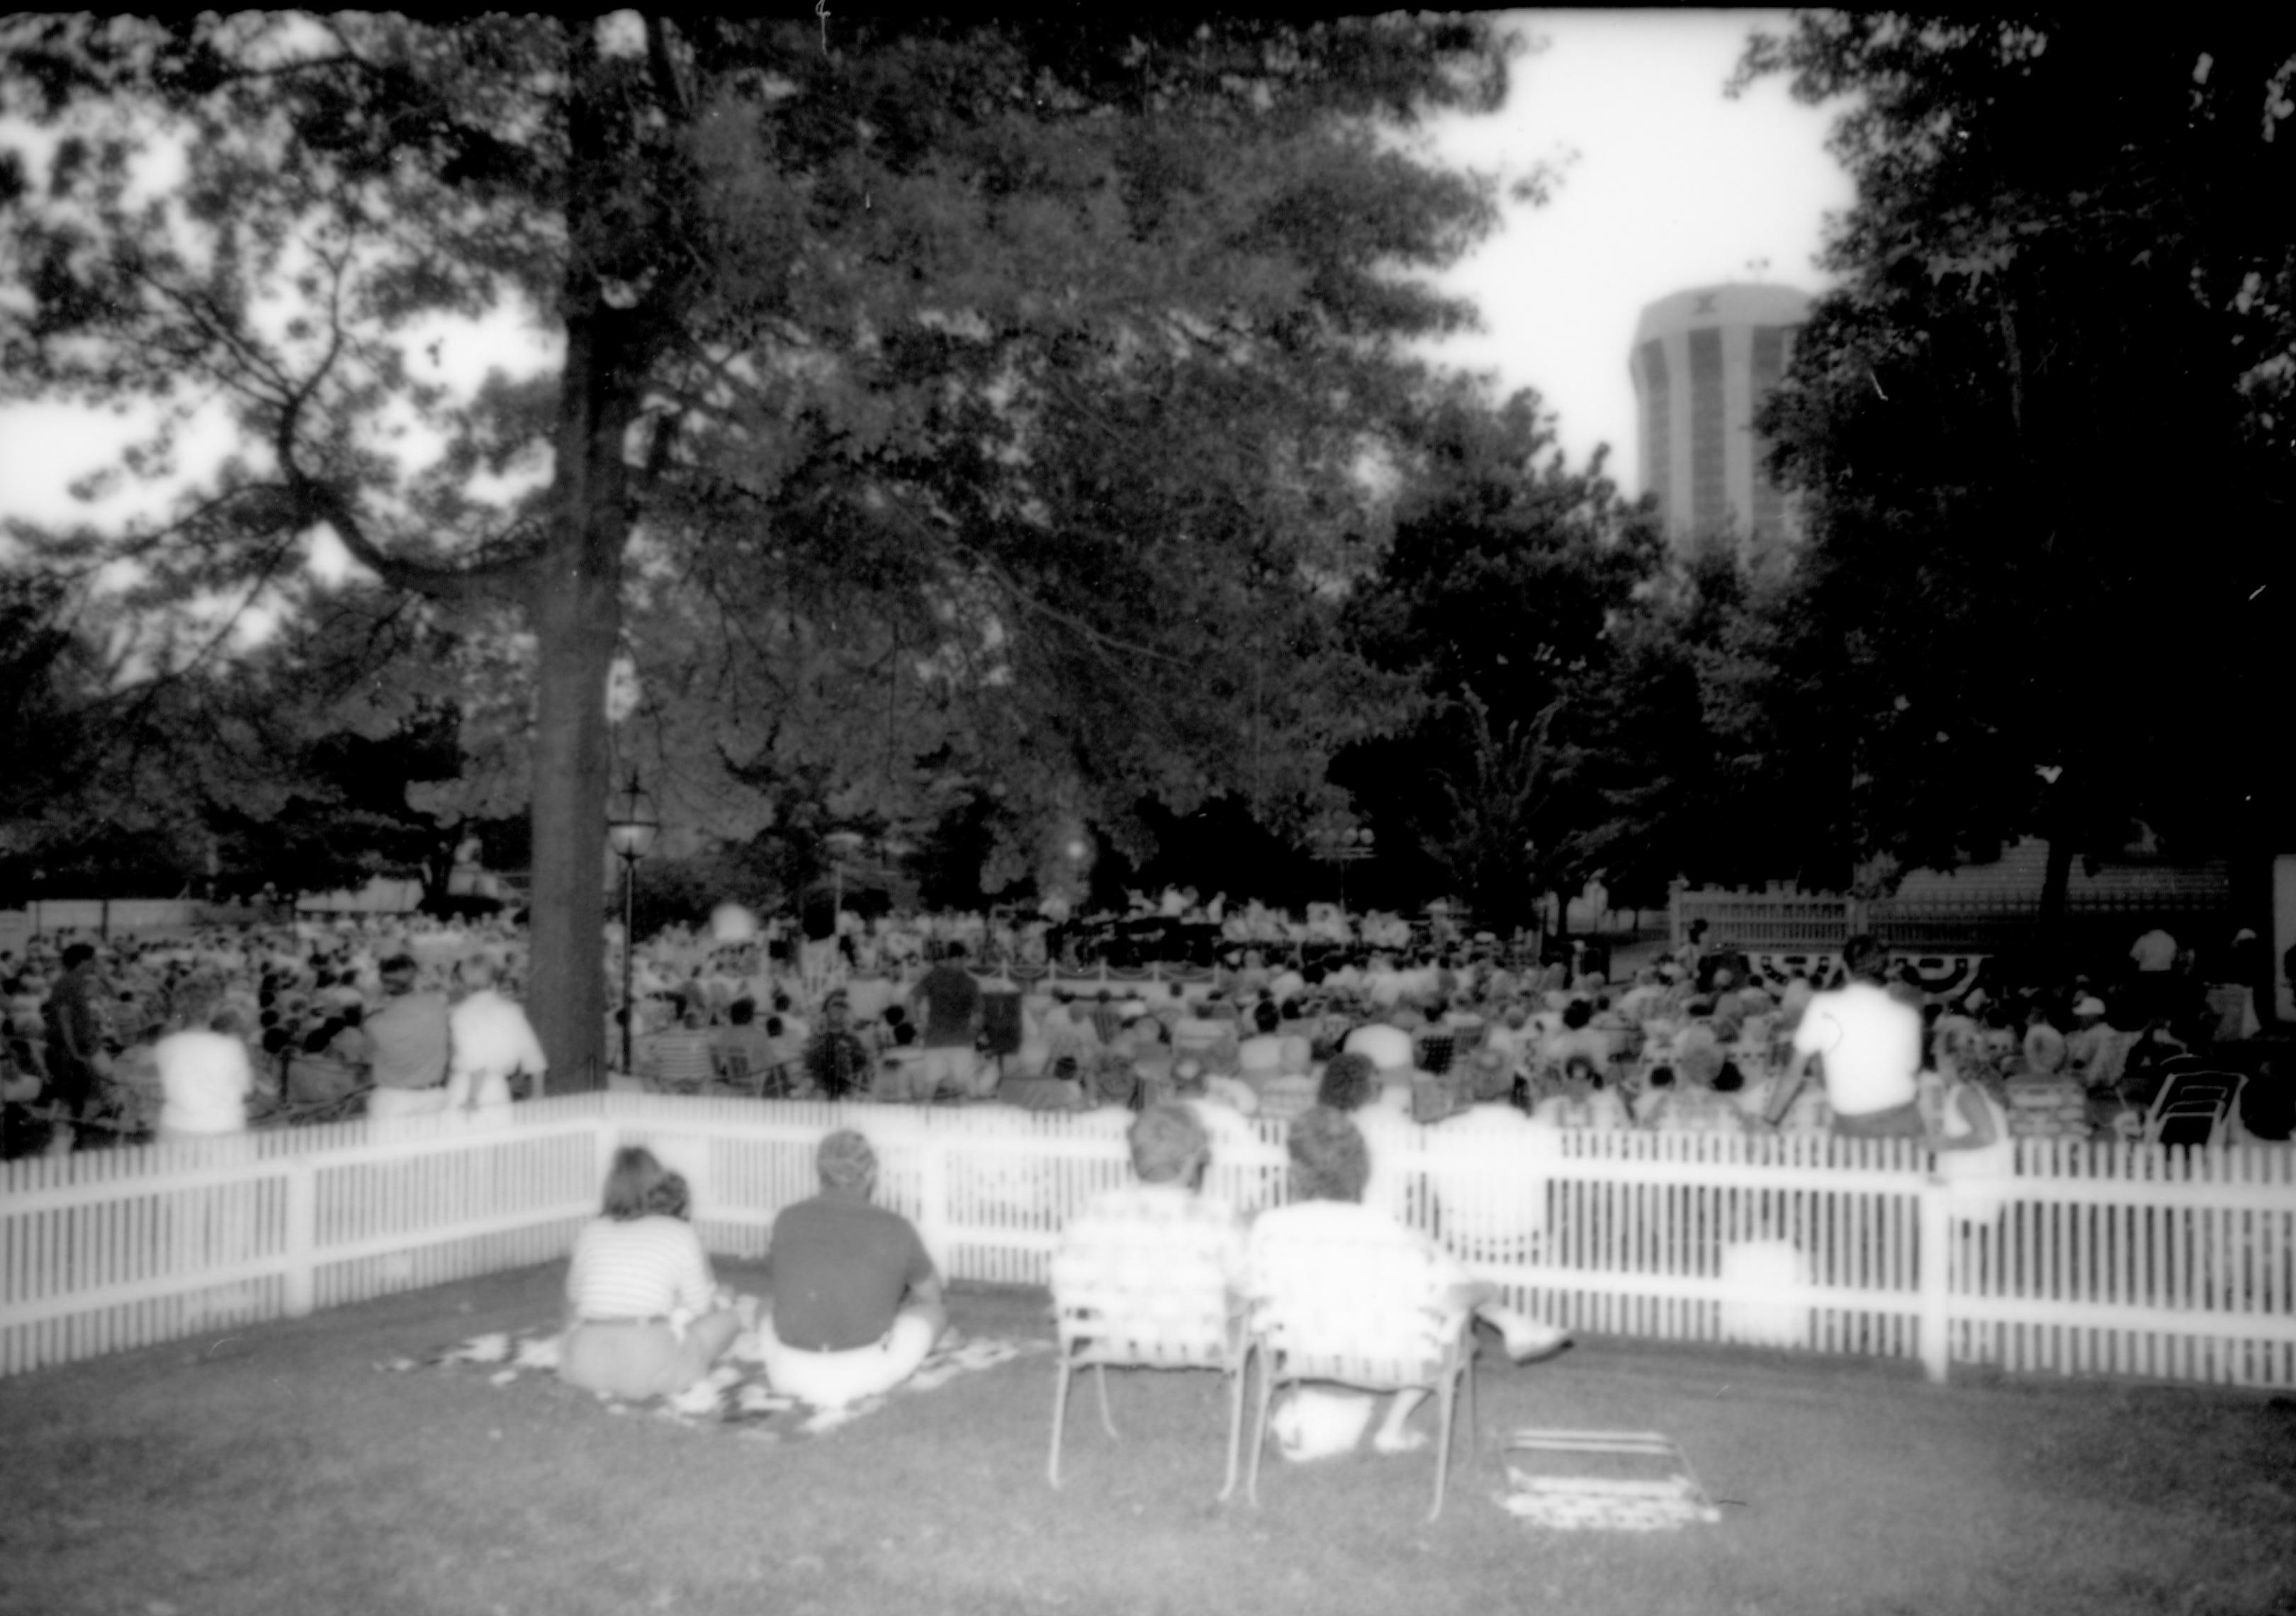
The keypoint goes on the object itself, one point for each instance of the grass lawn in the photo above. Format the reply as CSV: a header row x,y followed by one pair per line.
x,y
279,1470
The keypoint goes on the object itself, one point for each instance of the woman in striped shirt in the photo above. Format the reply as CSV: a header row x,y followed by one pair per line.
x,y
645,1316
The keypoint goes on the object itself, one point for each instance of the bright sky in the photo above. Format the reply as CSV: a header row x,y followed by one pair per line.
x,y
1671,186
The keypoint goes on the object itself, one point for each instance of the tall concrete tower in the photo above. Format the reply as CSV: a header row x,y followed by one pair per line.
x,y
1704,361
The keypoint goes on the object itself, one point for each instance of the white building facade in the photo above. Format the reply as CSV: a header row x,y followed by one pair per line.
x,y
1703,361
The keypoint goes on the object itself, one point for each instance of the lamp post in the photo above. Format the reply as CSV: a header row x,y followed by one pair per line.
x,y
842,845
1344,847
630,827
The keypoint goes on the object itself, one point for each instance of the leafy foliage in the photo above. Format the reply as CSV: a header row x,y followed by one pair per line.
x,y
1018,365
2045,428
1505,595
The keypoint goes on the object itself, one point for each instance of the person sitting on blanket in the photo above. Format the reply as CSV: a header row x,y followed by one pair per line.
x,y
856,1303
1325,1222
645,1316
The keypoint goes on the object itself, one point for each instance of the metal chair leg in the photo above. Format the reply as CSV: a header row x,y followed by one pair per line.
x,y
1259,1425
1473,1443
1107,1421
1234,1427
1445,1406
1060,1418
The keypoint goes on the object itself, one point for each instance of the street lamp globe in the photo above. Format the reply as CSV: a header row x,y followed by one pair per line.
x,y
630,821
630,827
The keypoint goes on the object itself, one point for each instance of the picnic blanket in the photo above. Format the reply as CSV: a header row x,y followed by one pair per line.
x,y
734,1396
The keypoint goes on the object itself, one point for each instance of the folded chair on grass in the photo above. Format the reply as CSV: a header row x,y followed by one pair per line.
x,y
1375,1317
1129,1306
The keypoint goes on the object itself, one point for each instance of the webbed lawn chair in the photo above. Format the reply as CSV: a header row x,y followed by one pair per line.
x,y
1377,1317
1125,1304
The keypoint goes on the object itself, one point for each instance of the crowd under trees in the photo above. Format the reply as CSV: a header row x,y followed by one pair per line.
x,y
971,443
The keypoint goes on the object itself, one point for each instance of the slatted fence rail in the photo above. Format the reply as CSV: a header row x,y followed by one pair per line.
x,y
2122,1260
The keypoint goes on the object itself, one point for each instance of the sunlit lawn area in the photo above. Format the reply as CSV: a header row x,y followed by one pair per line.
x,y
279,1470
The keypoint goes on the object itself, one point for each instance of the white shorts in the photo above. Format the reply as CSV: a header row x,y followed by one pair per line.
x,y
396,1104
944,1067
834,1380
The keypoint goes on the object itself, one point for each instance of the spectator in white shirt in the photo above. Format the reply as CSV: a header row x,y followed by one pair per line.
x,y
491,1042
205,1077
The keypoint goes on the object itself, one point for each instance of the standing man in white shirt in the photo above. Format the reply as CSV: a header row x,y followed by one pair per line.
x,y
1871,1044
2153,957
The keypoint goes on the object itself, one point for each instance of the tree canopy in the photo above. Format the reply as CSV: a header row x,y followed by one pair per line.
x,y
1028,369
2042,429
1506,601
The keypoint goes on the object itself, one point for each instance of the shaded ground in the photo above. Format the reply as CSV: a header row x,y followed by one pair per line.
x,y
279,1470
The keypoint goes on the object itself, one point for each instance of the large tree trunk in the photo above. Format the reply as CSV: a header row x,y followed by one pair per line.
x,y
576,613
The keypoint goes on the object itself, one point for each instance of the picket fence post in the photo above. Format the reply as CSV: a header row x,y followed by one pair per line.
x,y
609,1141
302,1211
1935,1279
934,1218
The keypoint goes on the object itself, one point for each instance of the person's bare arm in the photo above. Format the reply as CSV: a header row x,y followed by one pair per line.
x,y
1980,1117
1789,1086
925,1301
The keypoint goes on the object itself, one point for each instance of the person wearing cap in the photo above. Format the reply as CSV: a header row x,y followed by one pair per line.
x,y
1871,1044
2095,1049
857,1302
407,1037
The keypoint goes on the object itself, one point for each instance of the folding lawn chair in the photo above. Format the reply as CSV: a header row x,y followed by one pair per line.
x,y
1127,1305
1370,1317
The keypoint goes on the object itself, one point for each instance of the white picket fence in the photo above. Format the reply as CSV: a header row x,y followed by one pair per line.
x,y
2120,1259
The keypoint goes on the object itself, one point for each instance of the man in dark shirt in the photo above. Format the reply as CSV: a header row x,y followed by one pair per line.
x,y
837,1062
408,1039
74,1029
948,1002
857,1302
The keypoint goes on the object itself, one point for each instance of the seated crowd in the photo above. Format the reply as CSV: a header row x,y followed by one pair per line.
x,y
209,1033
331,1018
1689,1043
